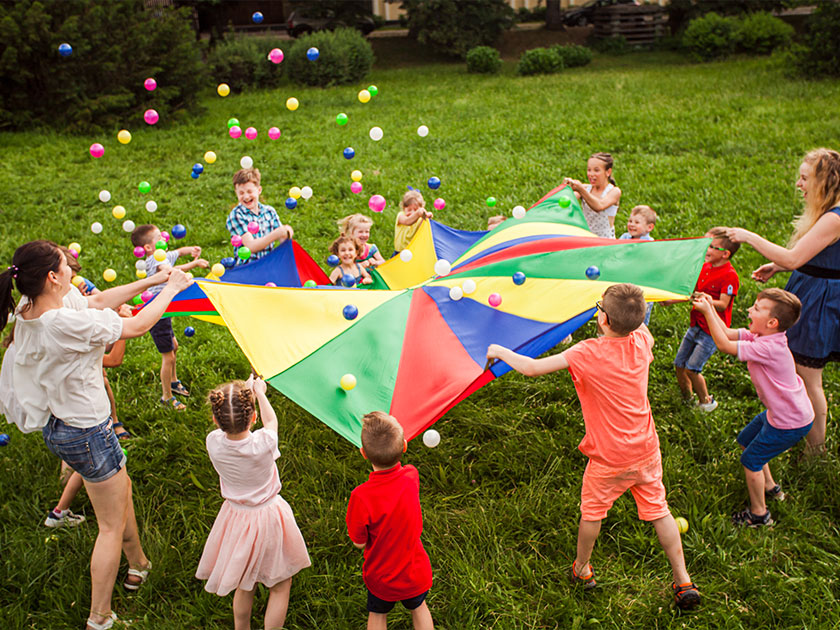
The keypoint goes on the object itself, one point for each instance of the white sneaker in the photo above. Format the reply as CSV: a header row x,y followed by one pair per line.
x,y
63,519
710,406
566,340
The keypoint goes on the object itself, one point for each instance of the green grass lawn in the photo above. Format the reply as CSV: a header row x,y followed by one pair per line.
x,y
705,145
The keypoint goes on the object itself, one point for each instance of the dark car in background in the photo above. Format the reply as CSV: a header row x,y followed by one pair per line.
x,y
585,13
316,18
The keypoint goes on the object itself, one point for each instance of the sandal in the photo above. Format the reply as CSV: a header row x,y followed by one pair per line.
x,y
178,388
139,577
110,618
586,581
121,435
173,402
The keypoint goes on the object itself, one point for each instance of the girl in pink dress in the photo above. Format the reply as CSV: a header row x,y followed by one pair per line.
x,y
255,537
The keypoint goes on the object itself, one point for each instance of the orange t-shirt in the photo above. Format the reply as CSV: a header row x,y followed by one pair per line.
x,y
611,379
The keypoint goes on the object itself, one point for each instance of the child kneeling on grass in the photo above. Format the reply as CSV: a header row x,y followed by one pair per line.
x,y
789,414
621,441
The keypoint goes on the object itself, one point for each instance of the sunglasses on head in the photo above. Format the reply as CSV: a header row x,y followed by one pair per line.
x,y
720,249
600,307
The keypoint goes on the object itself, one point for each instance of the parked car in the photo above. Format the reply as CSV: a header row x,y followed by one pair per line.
x,y
312,18
584,14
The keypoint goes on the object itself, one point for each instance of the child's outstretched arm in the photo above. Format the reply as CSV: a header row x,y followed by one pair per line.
x,y
527,365
366,279
198,262
269,418
726,339
258,244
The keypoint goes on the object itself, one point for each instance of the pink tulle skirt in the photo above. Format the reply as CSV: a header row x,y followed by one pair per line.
x,y
252,544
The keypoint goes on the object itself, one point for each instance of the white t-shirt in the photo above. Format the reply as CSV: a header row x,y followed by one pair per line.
x,y
58,366
247,472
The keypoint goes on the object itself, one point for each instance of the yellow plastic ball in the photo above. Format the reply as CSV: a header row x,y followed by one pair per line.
x,y
682,524
76,281
118,212
364,96
347,382
294,192
218,270
223,89
356,176
124,136
209,157
75,247
292,104
159,255
141,273
189,275
110,275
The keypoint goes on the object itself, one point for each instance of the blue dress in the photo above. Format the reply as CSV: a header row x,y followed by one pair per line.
x,y
817,333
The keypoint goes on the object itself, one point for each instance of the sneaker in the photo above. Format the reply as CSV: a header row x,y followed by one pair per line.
x,y
686,596
752,520
775,493
586,581
63,519
710,406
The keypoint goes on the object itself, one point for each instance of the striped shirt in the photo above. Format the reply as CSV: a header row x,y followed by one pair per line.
x,y
240,217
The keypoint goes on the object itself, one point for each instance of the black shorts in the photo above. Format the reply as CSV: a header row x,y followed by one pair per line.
x,y
163,336
376,605
815,363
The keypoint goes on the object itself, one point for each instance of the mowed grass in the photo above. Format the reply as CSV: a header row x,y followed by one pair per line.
x,y
705,145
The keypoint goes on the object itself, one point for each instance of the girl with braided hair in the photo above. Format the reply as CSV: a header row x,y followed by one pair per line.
x,y
255,537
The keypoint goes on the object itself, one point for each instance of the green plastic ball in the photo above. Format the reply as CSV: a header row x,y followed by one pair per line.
x,y
341,119
244,253
373,90
310,283
564,202
137,300
491,201
144,187
233,122
161,244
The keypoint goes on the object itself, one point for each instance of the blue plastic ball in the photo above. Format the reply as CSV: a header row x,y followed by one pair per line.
x,y
178,231
593,273
257,17
518,278
228,262
332,260
434,183
189,331
291,203
194,175
65,50
349,153
348,280
312,54
350,311
4,439
198,167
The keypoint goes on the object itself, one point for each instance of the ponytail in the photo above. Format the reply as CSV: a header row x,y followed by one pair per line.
x,y
7,300
30,265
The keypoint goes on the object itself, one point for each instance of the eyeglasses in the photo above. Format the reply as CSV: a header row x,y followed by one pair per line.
x,y
600,307
720,249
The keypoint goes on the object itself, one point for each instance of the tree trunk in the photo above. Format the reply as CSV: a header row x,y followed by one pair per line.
x,y
552,16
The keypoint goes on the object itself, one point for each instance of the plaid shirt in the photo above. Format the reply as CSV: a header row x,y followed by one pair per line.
x,y
240,217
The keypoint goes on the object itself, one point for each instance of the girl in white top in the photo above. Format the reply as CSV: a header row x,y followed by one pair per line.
x,y
60,337
600,197
255,537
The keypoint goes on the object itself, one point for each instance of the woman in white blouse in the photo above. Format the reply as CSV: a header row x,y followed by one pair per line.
x,y
60,337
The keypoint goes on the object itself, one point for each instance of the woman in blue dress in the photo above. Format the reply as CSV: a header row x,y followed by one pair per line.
x,y
813,255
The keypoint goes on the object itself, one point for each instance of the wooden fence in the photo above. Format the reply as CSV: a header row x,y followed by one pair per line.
x,y
639,25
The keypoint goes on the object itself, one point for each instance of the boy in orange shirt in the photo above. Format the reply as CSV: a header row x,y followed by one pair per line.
x,y
621,441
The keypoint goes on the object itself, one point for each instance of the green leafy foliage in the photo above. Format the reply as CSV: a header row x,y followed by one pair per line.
x,y
761,33
345,57
819,56
539,61
711,37
483,60
243,62
572,55
116,46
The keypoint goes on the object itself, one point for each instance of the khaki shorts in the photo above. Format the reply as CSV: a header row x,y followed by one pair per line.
x,y
603,484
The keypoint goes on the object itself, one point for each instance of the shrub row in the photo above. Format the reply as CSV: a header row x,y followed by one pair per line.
x,y
714,36
486,60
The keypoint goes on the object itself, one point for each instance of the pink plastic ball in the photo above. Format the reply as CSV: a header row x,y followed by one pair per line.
x,y
250,133
97,150
139,251
150,84
236,240
235,131
165,236
377,203
270,284
146,296
151,116
253,227
440,204
356,188
74,254
274,133
276,55
494,299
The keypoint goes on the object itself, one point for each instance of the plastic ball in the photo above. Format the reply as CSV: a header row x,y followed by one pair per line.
x,y
434,182
159,255
244,253
146,296
373,90
356,188
376,203
139,252
250,133
350,311
124,136
257,17
151,116
469,286
431,438
128,225
74,253
593,273
274,133
189,331
218,270
223,89
65,49
136,300
349,153
406,255
228,262
96,227
456,293
140,273
491,201
209,157
294,192
356,176
118,212
195,175
232,122
110,275
150,84
306,192
364,96
4,439
341,119
313,53
270,284
151,206
104,196
144,187
236,240
333,260
682,524
494,299
518,278
246,161
235,131
422,131
75,247
564,202
376,134
140,264
77,280
292,104
439,204
198,167
443,267
97,150
348,280
310,283
165,236
518,212
291,203
161,244
178,231
276,55
253,227
347,382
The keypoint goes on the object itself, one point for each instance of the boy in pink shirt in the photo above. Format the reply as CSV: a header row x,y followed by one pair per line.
x,y
789,414
621,441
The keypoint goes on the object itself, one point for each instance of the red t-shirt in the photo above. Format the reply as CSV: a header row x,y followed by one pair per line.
x,y
716,281
384,515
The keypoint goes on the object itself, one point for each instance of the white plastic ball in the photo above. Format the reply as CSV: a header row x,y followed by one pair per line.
x,y
431,438
151,206
468,286
519,212
246,162
442,267
405,255
96,227
140,264
128,225
456,293
422,131
306,192
376,134
104,196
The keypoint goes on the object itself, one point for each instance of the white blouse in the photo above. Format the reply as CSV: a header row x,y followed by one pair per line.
x,y
598,222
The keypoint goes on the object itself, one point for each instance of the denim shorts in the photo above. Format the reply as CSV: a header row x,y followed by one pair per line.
x,y
696,348
376,605
762,441
95,453
163,336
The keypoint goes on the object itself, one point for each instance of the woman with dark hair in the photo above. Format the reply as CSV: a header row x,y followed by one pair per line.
x,y
60,337
813,254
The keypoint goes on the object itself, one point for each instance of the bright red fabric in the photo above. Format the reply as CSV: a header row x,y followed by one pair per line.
x,y
716,281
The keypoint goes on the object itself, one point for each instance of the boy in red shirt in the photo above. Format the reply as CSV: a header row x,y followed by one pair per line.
x,y
620,441
719,280
384,519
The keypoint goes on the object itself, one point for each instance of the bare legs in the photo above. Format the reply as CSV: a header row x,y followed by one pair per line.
x,y
275,611
71,489
691,382
815,440
421,619
167,373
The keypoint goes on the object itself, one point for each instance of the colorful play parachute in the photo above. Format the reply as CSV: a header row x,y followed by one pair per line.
x,y
417,352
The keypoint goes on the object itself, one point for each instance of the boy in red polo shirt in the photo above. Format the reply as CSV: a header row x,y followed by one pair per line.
x,y
719,280
384,519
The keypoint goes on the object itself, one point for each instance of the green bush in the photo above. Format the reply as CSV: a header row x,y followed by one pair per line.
x,y
615,45
539,61
453,27
346,57
711,36
819,55
116,46
483,60
243,62
537,14
761,33
573,56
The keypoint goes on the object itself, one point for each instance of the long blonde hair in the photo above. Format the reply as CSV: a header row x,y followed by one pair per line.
x,y
349,223
824,191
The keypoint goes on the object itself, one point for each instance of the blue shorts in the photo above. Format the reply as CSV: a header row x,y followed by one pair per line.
x,y
163,336
762,442
95,453
380,606
696,348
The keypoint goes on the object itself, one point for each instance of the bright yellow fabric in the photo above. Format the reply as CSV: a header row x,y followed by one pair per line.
x,y
404,233
513,230
401,275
